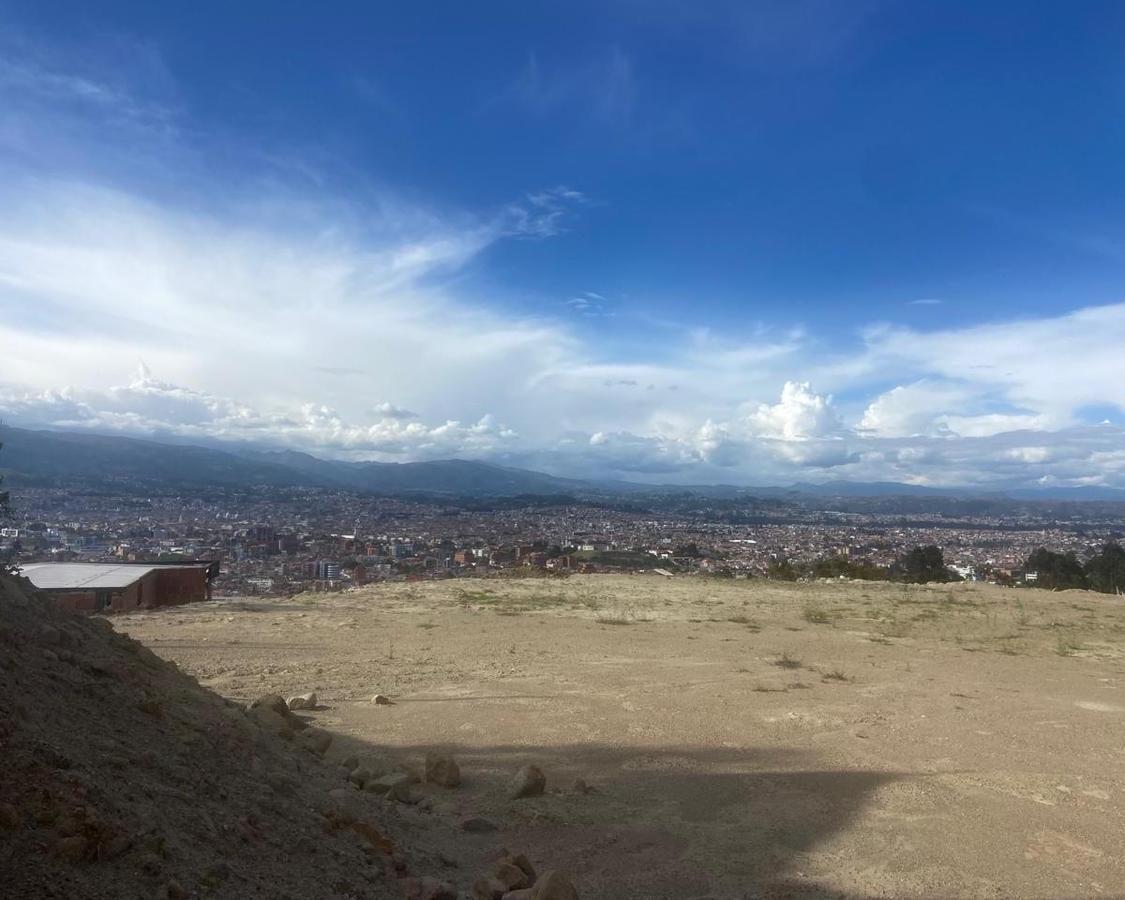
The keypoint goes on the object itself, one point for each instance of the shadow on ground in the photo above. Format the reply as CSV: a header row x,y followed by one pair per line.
x,y
673,822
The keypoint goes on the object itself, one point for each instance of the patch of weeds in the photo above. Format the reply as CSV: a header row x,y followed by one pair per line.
x,y
816,615
1022,618
766,689
476,598
880,639
798,686
835,675
614,620
427,625
785,661
1068,646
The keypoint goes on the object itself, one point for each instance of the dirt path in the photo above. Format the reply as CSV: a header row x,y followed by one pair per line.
x,y
744,738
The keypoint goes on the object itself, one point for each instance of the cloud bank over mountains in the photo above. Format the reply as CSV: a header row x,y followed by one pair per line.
x,y
355,323
341,344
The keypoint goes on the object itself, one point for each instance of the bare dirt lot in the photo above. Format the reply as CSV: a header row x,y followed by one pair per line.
x,y
742,738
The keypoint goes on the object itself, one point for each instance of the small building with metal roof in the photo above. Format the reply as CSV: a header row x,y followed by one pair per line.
x,y
119,587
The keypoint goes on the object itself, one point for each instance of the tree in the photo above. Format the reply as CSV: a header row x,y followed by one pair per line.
x,y
782,570
921,565
1056,570
1106,571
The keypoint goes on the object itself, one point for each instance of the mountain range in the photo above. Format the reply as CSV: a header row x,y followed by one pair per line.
x,y
55,457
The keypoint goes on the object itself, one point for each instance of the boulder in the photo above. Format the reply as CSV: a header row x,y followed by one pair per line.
x,y
441,768
303,701
528,782
382,700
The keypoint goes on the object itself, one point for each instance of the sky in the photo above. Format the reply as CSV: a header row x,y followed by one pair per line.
x,y
677,242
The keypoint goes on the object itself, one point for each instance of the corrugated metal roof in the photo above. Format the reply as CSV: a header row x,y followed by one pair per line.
x,y
83,576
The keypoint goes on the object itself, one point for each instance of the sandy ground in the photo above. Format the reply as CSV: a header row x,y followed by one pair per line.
x,y
745,738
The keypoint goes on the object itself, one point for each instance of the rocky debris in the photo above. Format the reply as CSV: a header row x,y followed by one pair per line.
x,y
359,776
478,825
315,740
581,787
442,769
382,700
302,701
528,782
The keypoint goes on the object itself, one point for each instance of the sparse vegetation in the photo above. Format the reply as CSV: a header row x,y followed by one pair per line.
x,y
785,661
815,614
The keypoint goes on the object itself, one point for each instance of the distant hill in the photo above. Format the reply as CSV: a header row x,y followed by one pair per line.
x,y
56,457
48,457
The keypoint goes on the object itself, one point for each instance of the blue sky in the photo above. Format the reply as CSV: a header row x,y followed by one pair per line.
x,y
751,242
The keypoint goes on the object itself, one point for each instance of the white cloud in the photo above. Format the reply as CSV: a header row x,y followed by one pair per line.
x,y
338,321
799,415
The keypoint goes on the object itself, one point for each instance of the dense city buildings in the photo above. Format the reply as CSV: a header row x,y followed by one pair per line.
x,y
283,541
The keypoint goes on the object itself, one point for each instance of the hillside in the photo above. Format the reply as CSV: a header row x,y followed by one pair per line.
x,y
52,457
122,777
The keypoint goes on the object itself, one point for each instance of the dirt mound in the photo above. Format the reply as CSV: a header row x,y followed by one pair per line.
x,y
121,777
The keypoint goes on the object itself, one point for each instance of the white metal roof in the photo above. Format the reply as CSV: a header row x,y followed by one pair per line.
x,y
83,576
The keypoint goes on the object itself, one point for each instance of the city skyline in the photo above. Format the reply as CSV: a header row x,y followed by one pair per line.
x,y
760,244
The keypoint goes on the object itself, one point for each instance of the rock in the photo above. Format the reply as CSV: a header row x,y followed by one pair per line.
x,y
9,817
488,889
173,890
525,866
512,876
554,886
269,719
386,782
271,701
316,740
402,792
522,894
72,849
478,825
350,762
50,636
441,768
528,782
303,701
359,776
382,700
580,787
427,889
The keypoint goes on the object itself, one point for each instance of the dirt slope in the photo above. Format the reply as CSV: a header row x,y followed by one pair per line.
x,y
121,777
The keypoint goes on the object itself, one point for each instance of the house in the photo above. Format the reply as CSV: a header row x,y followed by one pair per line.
x,y
119,587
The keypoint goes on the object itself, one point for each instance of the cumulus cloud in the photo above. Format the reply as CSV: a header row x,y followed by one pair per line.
x,y
800,415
